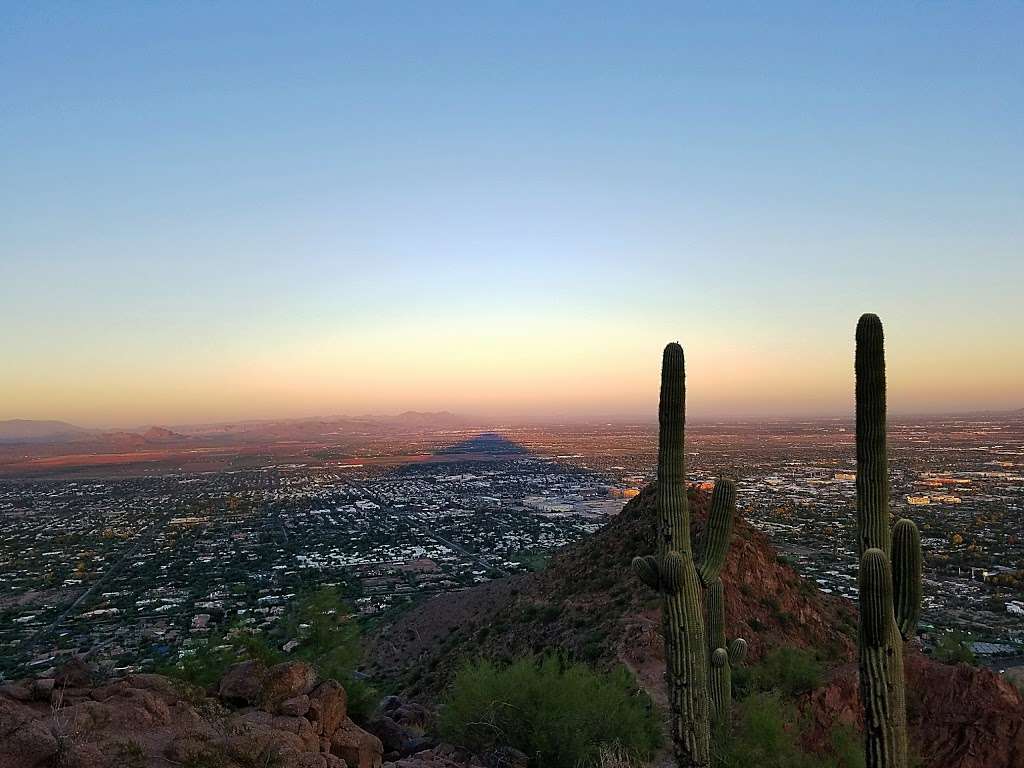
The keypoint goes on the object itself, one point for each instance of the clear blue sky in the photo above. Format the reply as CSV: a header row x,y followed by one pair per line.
x,y
246,209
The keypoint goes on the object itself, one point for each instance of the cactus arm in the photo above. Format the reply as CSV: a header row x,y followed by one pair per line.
x,y
737,651
906,575
881,666
722,660
715,599
647,569
875,596
719,529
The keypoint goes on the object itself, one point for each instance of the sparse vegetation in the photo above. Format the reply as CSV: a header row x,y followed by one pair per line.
x,y
786,670
330,641
954,647
560,715
768,735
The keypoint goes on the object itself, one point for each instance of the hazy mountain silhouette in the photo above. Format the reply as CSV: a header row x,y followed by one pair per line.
x,y
30,431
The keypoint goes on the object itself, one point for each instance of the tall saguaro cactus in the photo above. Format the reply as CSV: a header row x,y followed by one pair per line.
x,y
674,572
890,565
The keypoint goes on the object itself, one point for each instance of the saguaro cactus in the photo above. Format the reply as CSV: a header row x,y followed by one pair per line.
x,y
723,658
890,565
673,572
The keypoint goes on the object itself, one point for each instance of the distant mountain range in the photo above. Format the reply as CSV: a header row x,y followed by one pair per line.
x,y
30,431
15,431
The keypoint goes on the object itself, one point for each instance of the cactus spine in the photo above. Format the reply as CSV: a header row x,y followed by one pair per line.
x,y
673,572
890,565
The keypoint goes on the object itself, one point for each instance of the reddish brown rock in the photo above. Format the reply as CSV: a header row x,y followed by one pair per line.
x,y
75,673
958,716
25,741
83,754
148,720
42,689
328,707
286,681
242,685
19,691
296,707
356,747
186,749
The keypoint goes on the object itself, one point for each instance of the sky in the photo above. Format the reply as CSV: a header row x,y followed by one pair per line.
x,y
216,211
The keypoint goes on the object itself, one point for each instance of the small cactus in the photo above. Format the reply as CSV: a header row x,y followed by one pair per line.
x,y
723,659
890,566
673,571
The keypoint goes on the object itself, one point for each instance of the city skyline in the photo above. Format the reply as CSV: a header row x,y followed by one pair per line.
x,y
214,214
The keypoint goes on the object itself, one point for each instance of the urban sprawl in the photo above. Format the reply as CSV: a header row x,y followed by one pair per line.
x,y
136,570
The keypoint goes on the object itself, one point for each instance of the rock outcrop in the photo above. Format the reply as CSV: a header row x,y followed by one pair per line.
x,y
280,716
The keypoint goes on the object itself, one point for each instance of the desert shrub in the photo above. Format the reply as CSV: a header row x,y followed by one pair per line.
x,y
954,647
791,671
768,734
561,715
330,642
204,665
848,747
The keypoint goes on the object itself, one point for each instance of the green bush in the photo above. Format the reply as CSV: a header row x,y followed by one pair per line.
x,y
561,715
790,671
330,641
768,735
204,665
953,648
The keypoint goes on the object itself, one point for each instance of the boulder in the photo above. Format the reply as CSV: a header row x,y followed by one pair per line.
x,y
328,707
411,715
74,674
187,749
242,684
292,759
82,754
356,747
393,737
25,741
286,681
19,691
301,727
444,756
296,707
167,690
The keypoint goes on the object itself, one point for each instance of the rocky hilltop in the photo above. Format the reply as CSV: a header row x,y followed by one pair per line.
x,y
588,604
280,716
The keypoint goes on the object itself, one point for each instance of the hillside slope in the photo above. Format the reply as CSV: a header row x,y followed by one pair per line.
x,y
588,604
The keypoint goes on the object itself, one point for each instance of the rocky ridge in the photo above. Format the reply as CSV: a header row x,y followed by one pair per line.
x,y
279,716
